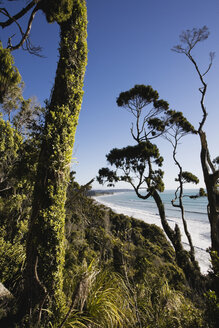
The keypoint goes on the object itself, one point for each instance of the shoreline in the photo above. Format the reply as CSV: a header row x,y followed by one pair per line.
x,y
202,256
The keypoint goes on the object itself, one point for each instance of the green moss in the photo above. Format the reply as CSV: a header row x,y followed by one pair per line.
x,y
9,74
58,11
46,241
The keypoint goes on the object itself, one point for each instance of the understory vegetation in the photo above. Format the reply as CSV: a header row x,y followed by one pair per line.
x,y
119,271
66,261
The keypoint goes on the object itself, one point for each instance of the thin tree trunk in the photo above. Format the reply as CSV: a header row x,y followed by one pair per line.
x,y
180,205
182,257
171,234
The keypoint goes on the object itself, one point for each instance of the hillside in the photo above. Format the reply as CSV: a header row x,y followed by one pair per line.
x,y
119,272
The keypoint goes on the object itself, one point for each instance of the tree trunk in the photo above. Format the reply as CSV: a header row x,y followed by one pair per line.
x,y
183,259
171,234
46,241
212,193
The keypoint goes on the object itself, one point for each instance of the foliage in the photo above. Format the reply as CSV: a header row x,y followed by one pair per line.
x,y
58,11
202,192
163,307
141,255
10,144
28,120
136,280
139,165
109,303
9,74
133,157
140,96
125,257
212,308
134,161
17,174
188,177
138,101
215,262
12,257
12,100
178,120
46,240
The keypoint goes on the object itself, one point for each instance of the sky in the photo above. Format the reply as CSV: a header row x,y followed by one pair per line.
x,y
130,43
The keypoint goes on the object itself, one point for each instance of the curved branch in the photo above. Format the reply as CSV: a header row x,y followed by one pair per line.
x,y
212,54
149,194
176,198
20,14
178,135
6,13
26,34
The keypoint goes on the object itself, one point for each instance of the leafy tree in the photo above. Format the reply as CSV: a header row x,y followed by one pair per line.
x,y
17,176
141,255
189,39
10,77
11,188
46,243
10,142
135,100
12,100
140,164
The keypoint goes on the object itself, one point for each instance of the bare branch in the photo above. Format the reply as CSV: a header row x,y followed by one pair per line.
x,y
25,35
6,13
190,38
212,55
6,189
176,198
20,14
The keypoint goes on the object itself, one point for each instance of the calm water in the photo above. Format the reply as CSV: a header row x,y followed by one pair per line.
x,y
195,211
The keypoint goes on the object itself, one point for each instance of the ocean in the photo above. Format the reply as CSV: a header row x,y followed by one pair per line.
x,y
195,213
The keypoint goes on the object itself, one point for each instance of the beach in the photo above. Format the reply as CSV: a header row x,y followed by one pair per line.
x,y
128,204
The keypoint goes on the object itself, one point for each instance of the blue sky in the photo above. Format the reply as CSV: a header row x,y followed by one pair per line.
x,y
129,43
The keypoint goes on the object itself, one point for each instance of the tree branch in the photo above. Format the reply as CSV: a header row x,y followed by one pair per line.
x,y
26,34
20,14
212,54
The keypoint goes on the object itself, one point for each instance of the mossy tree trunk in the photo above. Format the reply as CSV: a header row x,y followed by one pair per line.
x,y
46,241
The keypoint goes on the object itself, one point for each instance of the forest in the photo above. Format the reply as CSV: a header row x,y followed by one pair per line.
x,y
66,261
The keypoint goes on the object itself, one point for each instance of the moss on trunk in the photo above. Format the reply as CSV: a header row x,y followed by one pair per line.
x,y
46,242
